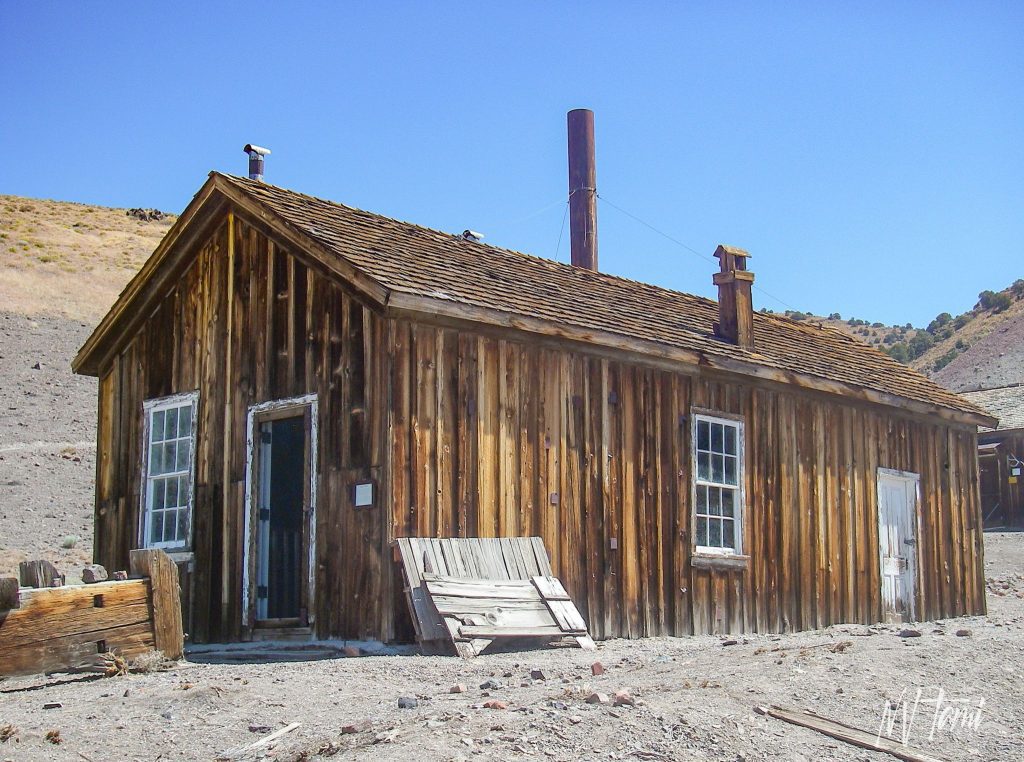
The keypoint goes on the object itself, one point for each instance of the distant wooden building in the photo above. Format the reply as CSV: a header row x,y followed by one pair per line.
x,y
289,384
1001,456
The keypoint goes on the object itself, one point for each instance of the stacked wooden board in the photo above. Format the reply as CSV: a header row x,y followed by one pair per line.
x,y
68,627
465,593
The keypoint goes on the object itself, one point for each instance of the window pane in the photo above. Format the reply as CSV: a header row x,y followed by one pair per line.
x,y
170,455
703,437
171,426
730,469
703,465
157,486
156,533
702,531
185,421
730,440
181,463
156,431
716,437
169,518
172,493
717,469
714,502
728,530
702,499
727,502
715,533
182,533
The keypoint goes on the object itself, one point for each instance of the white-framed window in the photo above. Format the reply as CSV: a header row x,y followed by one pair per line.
x,y
718,484
168,471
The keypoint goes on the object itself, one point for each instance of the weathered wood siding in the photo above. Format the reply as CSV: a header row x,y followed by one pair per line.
x,y
493,437
1005,499
246,322
480,434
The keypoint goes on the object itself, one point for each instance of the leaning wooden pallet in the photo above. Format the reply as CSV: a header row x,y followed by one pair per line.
x,y
466,593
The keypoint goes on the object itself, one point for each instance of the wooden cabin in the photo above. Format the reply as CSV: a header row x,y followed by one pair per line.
x,y
1001,456
290,384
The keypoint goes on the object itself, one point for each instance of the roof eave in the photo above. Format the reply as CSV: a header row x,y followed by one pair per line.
x,y
87,361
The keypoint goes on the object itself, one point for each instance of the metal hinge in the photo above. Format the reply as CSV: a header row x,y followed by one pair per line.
x,y
262,592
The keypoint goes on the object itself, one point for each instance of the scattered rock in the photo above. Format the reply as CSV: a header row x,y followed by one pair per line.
x,y
537,674
255,727
597,668
53,736
598,698
490,685
93,573
558,705
355,727
352,651
910,633
730,642
624,698
457,688
495,704
37,366
120,576
963,633
53,705
407,702
146,215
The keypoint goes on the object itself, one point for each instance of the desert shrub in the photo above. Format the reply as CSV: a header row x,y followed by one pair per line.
x,y
921,343
1018,287
941,320
837,316
961,344
945,360
991,300
797,315
878,325
70,541
961,320
898,352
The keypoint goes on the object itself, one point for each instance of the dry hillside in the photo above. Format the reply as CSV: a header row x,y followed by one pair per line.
x,y
70,260
978,349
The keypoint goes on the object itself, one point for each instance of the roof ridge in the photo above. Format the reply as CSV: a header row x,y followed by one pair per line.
x,y
554,263
455,236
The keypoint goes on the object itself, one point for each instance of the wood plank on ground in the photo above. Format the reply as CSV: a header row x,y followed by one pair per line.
x,y
848,733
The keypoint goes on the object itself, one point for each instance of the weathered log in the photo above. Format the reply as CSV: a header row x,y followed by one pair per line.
x,y
166,595
9,598
39,573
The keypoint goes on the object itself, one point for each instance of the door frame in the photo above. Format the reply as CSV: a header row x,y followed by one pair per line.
x,y
258,413
909,478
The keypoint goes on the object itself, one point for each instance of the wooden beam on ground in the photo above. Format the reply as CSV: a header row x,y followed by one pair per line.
x,y
847,733
166,597
241,751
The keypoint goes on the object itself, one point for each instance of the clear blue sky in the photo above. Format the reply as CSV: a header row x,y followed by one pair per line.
x,y
869,155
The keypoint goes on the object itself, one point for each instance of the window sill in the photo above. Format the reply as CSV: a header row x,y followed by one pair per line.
x,y
719,561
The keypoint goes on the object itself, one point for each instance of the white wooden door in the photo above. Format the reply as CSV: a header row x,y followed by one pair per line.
x,y
897,543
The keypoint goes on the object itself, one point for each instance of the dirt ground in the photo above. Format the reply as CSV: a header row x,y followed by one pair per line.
x,y
695,697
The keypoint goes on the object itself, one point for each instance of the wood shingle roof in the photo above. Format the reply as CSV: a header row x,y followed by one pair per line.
x,y
1006,403
410,260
